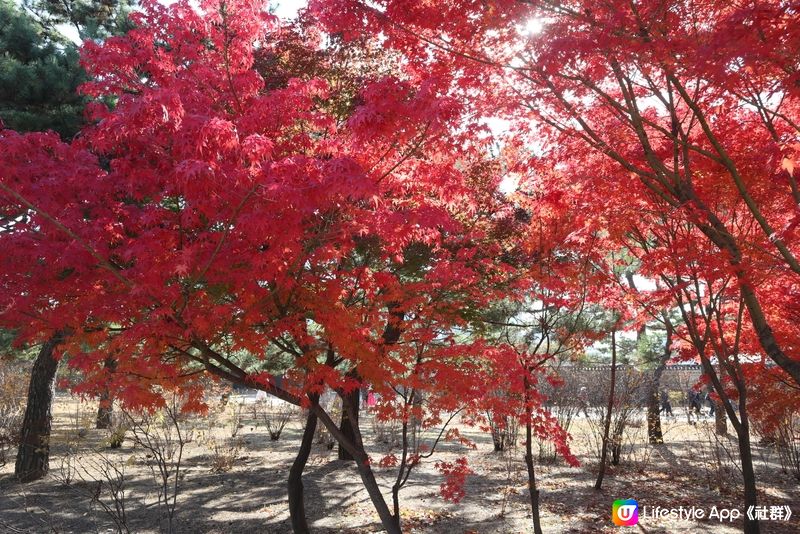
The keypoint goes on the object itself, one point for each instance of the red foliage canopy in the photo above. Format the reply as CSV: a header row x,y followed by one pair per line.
x,y
644,117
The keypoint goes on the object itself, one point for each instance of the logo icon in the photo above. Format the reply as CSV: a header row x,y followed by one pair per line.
x,y
625,512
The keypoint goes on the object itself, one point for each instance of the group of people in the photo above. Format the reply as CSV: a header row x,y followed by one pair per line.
x,y
695,401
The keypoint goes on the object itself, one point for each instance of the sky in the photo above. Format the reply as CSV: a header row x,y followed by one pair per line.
x,y
287,9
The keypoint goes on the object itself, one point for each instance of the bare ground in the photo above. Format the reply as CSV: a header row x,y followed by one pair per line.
x,y
250,497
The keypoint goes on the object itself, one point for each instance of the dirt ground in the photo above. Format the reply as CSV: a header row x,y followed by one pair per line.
x,y
250,497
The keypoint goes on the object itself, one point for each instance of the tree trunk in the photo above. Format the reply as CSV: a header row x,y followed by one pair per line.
x,y
742,427
718,234
297,510
654,433
748,476
389,522
415,423
604,452
33,455
745,451
720,421
105,409
356,450
402,472
765,335
616,448
532,489
352,399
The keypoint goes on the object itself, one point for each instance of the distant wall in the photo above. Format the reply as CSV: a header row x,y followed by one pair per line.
x,y
631,381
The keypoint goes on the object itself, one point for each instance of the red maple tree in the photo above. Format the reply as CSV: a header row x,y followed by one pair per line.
x,y
652,116
282,231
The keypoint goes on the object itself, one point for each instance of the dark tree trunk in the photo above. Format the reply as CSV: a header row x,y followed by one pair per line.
x,y
748,476
353,400
404,468
297,510
616,448
745,451
389,522
719,234
105,409
33,455
720,421
654,433
741,425
533,490
356,449
500,434
402,473
604,451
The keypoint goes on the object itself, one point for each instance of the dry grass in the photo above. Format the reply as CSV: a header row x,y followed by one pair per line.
x,y
249,494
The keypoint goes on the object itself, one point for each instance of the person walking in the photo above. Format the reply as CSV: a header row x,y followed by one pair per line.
x,y
666,406
693,400
712,406
583,400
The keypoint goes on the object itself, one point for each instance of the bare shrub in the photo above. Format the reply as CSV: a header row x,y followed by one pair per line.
x,y
67,470
504,430
628,396
12,407
224,417
789,445
496,419
110,486
117,430
273,414
235,417
512,476
224,454
99,477
333,405
564,403
718,458
162,436
636,445
783,438
80,422
386,432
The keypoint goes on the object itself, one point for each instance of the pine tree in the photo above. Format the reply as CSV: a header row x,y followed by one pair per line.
x,y
39,65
